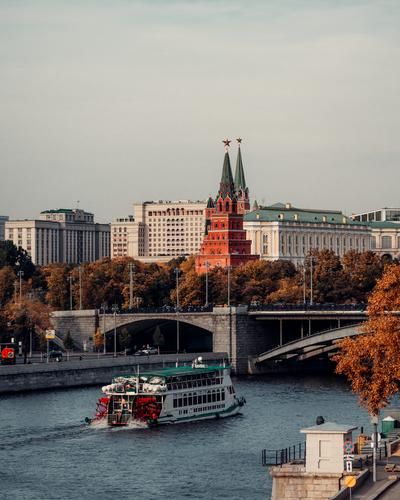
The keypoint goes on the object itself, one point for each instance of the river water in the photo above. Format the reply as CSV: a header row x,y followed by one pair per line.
x,y
46,452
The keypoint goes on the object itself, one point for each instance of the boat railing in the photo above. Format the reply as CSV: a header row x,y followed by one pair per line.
x,y
283,455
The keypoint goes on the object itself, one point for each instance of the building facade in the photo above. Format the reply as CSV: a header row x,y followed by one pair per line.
x,y
160,230
385,230
3,220
63,235
123,237
225,243
281,231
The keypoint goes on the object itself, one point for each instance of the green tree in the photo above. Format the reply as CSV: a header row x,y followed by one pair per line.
x,y
69,343
158,337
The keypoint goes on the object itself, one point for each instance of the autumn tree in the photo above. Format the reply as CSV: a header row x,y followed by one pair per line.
x,y
58,292
30,317
371,361
7,279
362,271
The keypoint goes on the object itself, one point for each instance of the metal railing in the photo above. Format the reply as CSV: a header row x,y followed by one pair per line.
x,y
308,307
284,455
161,310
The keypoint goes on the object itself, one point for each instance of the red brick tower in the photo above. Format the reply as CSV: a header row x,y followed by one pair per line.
x,y
225,242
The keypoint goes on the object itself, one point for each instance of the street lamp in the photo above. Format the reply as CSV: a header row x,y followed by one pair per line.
x,y
20,274
207,264
130,285
229,285
103,310
80,287
115,309
177,309
70,279
311,279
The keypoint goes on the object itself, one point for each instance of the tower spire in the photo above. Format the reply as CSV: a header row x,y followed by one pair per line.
x,y
240,182
226,187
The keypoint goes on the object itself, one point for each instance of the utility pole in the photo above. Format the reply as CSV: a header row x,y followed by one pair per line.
x,y
80,287
304,284
130,285
177,309
70,279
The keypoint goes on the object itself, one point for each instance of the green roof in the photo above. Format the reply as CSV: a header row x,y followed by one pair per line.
x,y
176,371
57,211
286,213
386,224
226,185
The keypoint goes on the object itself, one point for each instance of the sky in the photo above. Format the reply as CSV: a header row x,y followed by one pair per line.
x,y
104,103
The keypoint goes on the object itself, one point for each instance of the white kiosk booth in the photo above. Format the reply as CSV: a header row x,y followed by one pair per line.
x,y
325,445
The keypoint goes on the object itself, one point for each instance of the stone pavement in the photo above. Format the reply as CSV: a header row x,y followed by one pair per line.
x,y
385,487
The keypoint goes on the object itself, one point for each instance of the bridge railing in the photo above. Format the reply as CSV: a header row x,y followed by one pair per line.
x,y
159,310
284,455
307,307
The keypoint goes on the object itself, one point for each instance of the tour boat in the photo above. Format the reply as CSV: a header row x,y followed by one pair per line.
x,y
169,395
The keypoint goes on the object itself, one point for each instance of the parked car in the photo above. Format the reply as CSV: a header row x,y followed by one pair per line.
x,y
54,355
146,351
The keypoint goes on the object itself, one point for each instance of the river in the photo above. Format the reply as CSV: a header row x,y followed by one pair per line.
x,y
46,452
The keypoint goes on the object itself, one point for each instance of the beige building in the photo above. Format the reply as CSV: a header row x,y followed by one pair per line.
x,y
282,231
385,230
62,235
160,230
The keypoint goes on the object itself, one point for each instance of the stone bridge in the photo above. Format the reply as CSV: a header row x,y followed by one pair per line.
x,y
242,332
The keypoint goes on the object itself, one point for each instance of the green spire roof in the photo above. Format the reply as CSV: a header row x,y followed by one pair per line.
x,y
240,182
226,186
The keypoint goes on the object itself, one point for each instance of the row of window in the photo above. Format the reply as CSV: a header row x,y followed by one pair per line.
x,y
203,409
195,398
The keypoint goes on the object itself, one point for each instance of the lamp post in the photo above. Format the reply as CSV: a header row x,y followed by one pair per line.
x,y
80,287
229,286
177,309
70,279
20,274
115,310
304,284
103,310
130,285
15,291
207,264
311,280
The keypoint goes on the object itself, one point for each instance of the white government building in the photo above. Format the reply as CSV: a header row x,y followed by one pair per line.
x,y
63,235
159,230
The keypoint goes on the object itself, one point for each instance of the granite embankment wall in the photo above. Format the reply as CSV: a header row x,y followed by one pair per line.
x,y
86,372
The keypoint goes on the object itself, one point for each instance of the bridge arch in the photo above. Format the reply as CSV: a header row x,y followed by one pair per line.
x,y
133,334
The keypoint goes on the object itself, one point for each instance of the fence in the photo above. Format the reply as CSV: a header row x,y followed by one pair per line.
x,y
284,455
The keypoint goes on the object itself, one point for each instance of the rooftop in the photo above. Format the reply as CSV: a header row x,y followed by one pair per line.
x,y
286,212
178,371
328,428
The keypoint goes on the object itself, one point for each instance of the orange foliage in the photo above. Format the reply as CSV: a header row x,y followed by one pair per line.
x,y
371,361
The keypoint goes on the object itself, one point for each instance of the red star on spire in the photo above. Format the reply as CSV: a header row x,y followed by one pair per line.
x,y
227,143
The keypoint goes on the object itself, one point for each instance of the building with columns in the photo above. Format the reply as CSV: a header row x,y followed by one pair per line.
x,y
63,235
281,231
225,243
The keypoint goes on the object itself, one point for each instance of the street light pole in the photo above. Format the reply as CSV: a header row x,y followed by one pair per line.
x,y
20,274
115,310
229,286
103,309
207,264
130,286
177,309
304,284
70,279
80,287
311,280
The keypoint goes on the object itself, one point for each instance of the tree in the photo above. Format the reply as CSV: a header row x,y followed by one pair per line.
x,y
30,317
17,258
371,361
158,338
362,271
7,279
69,343
56,276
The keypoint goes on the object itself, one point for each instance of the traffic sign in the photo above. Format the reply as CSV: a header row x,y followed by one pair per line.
x,y
350,481
348,447
50,334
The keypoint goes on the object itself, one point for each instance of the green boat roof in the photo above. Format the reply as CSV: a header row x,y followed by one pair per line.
x,y
176,371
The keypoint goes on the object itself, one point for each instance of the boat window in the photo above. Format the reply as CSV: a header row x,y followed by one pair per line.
x,y
190,399
185,401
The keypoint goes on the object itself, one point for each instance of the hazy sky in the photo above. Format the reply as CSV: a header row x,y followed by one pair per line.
x,y
115,101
